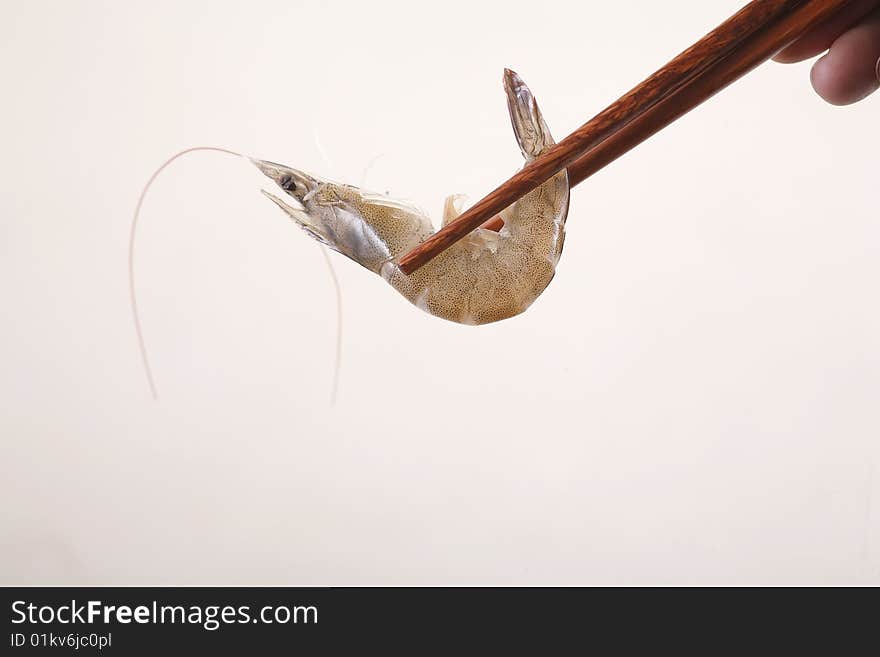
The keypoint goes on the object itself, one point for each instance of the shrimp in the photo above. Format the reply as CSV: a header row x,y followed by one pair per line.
x,y
485,277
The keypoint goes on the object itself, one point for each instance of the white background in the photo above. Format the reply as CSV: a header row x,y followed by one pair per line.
x,y
693,400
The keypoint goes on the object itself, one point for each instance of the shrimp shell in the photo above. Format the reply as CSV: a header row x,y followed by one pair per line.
x,y
485,277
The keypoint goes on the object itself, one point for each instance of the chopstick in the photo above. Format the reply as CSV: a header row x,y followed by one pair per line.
x,y
751,36
757,50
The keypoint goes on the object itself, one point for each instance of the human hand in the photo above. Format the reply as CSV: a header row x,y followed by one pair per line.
x,y
850,70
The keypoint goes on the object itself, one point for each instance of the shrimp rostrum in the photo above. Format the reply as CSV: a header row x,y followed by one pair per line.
x,y
485,277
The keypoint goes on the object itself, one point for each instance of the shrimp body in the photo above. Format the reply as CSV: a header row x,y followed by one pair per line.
x,y
485,277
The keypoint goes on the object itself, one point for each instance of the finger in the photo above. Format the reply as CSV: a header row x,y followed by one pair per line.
x,y
820,38
849,71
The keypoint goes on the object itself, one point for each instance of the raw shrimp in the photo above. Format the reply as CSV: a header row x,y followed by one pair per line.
x,y
485,277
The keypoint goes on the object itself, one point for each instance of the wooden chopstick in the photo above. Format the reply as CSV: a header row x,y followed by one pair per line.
x,y
757,50
748,38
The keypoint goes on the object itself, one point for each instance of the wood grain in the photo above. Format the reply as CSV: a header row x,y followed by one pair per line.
x,y
761,47
749,37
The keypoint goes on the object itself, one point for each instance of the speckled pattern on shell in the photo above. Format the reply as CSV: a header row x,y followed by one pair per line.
x,y
485,277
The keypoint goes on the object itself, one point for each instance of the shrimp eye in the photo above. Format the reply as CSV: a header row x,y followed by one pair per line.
x,y
287,183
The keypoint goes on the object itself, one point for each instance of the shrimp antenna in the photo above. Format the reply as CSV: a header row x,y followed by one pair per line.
x,y
134,225
338,360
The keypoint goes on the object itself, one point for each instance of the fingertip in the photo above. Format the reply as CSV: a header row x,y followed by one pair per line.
x,y
791,55
826,82
835,87
781,58
850,71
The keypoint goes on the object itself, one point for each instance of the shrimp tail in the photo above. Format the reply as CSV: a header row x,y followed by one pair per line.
x,y
532,133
